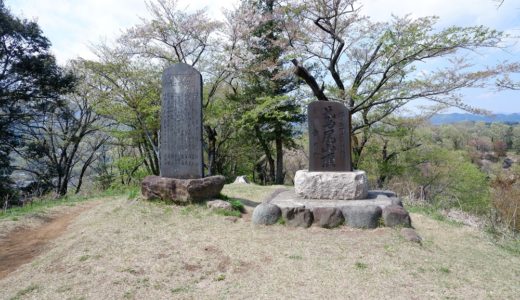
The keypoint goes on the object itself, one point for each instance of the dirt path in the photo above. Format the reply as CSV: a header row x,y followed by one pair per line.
x,y
21,245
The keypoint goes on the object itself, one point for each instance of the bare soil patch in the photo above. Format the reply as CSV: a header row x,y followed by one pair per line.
x,y
22,244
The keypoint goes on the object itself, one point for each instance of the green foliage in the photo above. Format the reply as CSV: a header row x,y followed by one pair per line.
x,y
84,257
515,139
432,212
235,203
30,84
181,289
41,205
449,179
129,91
506,198
228,213
360,265
220,277
295,257
25,291
134,192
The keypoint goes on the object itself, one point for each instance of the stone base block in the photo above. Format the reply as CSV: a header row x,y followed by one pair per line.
x,y
362,216
181,191
331,185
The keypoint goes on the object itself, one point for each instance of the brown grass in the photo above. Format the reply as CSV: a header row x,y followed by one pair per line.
x,y
506,199
139,250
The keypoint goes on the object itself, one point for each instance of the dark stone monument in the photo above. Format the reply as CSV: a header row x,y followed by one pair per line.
x,y
329,137
181,123
180,152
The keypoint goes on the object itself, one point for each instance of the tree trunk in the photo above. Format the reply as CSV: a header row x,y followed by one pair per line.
x,y
268,156
212,149
384,155
279,158
62,189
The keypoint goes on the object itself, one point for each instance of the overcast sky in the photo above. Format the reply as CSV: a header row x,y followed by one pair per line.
x,y
71,25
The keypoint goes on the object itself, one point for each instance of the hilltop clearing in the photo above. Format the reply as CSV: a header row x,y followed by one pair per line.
x,y
131,249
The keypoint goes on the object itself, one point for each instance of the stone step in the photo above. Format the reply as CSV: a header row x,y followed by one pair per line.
x,y
290,199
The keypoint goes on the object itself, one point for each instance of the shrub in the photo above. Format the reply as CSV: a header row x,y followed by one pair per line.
x,y
506,200
445,179
235,203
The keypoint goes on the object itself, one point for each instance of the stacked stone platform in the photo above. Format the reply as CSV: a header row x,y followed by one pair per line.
x,y
330,199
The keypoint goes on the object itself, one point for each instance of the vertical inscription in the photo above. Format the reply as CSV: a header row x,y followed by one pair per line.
x,y
328,158
329,137
181,123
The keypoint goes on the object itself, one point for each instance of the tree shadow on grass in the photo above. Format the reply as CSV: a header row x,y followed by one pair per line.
x,y
247,202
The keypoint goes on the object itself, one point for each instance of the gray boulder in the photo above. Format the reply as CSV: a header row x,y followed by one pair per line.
x,y
266,214
219,204
328,217
507,163
395,215
362,216
410,235
297,216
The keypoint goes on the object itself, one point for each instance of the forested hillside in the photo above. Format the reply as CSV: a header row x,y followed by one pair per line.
x,y
457,117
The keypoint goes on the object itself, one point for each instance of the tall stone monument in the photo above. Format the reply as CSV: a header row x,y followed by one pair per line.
x,y
181,123
330,174
180,150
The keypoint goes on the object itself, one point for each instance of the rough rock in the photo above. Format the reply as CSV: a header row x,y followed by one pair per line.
x,y
362,216
297,217
181,191
266,214
219,204
395,215
507,163
241,179
410,235
328,217
231,219
331,185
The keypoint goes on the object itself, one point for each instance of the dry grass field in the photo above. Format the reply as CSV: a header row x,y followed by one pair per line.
x,y
131,249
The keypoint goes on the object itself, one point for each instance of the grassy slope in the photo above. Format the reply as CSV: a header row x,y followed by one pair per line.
x,y
131,249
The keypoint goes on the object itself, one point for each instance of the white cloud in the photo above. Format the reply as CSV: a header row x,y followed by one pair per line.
x,y
451,12
72,25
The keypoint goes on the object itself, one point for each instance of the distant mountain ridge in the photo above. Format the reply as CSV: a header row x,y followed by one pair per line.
x,y
440,119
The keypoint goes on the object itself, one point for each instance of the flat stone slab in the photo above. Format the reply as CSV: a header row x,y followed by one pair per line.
x,y
331,185
291,199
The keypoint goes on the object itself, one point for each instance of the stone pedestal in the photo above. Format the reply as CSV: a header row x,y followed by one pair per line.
x,y
331,185
181,191
380,208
